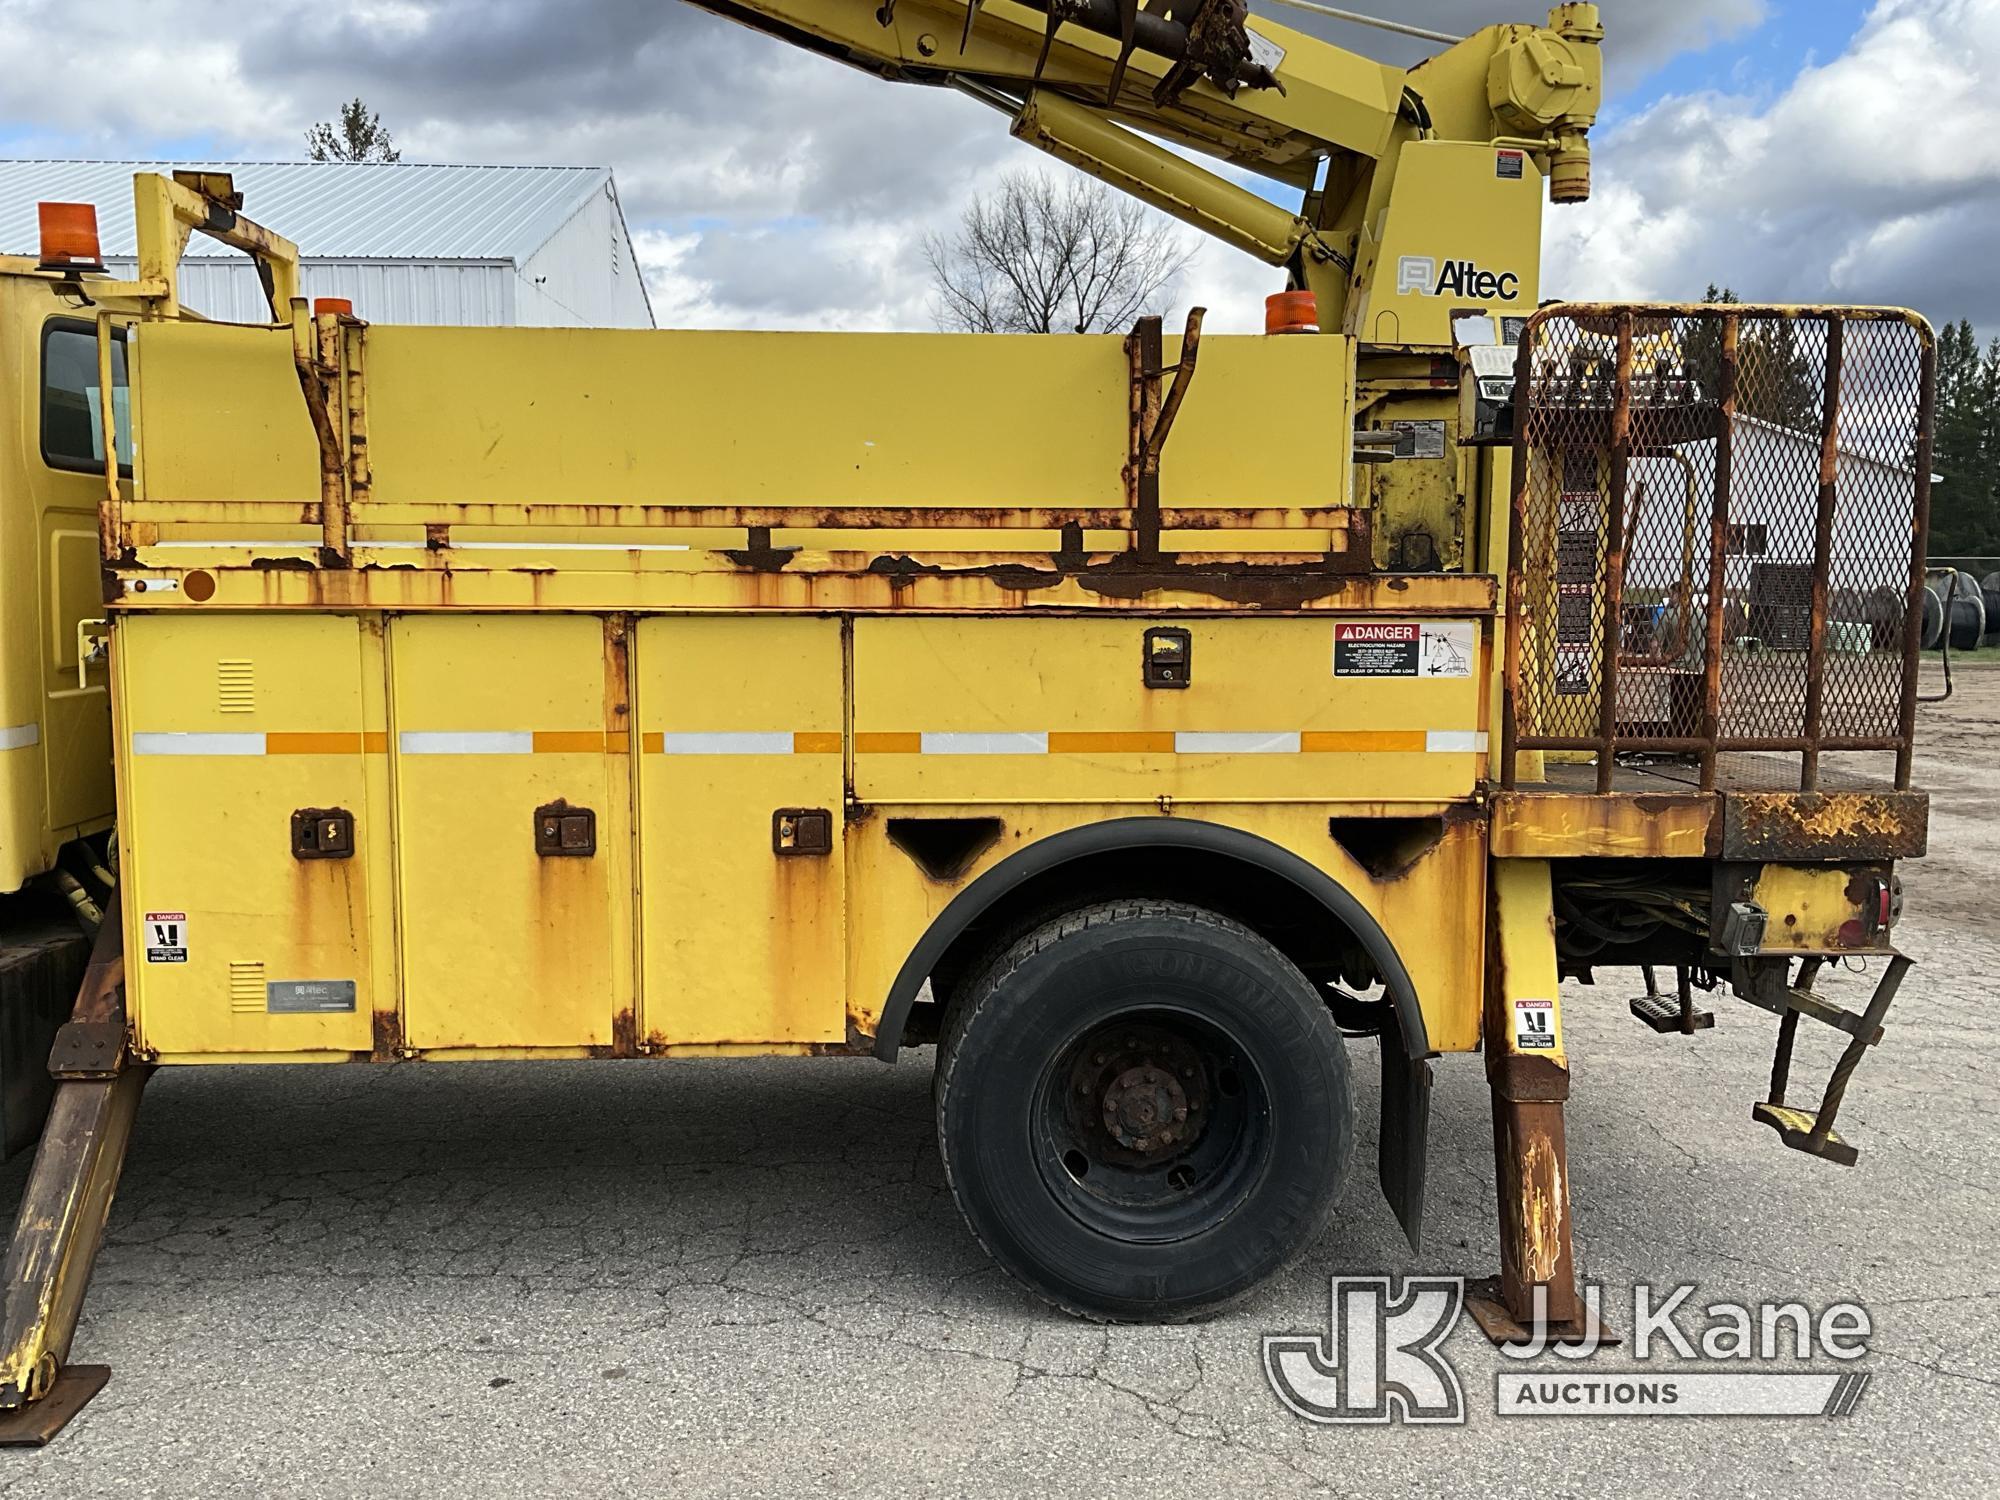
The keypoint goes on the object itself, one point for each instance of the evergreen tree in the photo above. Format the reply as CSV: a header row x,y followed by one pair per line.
x,y
1964,520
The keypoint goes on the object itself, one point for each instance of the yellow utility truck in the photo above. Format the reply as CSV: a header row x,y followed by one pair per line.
x,y
1143,720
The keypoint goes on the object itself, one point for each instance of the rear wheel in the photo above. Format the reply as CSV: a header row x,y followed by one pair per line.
x,y
1143,1111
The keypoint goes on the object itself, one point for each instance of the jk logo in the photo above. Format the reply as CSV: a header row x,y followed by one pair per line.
x,y
1379,1361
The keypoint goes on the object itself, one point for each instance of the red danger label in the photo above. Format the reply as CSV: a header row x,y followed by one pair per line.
x,y
1371,650
1375,632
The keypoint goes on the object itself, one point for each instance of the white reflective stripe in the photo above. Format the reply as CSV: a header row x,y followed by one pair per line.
x,y
1455,742
466,742
985,744
739,742
1220,743
20,736
197,744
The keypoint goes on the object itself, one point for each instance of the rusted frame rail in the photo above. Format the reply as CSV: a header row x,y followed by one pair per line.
x,y
1710,743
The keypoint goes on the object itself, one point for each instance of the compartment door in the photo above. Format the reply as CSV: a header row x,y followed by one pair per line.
x,y
516,917
231,725
741,721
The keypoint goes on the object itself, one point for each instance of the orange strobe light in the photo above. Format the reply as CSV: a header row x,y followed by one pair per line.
x,y
1291,312
69,237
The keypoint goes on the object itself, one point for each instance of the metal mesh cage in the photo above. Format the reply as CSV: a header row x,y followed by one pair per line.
x,y
1718,539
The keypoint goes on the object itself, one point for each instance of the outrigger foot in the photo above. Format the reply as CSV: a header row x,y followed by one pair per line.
x,y
66,1203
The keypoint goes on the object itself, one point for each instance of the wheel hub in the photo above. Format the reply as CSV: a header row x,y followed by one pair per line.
x,y
1139,1096
1146,1109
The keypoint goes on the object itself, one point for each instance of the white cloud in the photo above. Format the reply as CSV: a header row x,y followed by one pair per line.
x,y
1874,177
768,188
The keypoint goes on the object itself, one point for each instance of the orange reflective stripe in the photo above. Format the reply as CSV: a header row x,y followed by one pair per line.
x,y
889,744
1363,741
1116,742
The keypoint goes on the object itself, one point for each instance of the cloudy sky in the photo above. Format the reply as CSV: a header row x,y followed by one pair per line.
x,y
1795,149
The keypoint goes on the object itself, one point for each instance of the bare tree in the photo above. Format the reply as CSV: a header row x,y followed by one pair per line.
x,y
359,136
1042,256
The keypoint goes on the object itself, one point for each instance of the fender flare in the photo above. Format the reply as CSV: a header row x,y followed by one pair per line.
x,y
1150,833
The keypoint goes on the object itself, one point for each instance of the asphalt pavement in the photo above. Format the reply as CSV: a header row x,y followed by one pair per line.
x,y
747,1278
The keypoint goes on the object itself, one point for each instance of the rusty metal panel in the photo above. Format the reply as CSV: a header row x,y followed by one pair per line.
x,y
737,719
1035,710
1718,518
495,718
229,725
1825,825
1823,909
1556,825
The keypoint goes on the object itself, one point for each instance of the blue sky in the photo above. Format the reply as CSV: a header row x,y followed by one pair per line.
x,y
1759,61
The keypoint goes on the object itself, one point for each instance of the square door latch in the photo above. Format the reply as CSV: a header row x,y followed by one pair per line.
x,y
1169,657
802,830
322,833
562,831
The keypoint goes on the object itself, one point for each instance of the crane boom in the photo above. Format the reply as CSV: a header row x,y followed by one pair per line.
x,y
1102,83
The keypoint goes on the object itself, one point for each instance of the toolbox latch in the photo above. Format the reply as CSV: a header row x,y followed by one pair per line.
x,y
562,831
1169,657
802,830
322,833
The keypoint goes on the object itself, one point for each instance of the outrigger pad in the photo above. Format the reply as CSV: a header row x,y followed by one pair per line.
x,y
1487,1303
1795,1127
33,1425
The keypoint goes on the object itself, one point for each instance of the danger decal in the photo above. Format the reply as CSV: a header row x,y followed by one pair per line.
x,y
166,937
1433,650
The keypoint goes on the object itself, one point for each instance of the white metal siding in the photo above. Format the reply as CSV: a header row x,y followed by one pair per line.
x,y
586,275
476,294
1777,487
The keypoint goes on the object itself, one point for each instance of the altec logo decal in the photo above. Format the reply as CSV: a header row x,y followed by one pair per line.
x,y
1419,274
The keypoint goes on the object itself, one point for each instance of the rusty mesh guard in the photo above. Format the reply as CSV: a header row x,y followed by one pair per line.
x,y
1718,541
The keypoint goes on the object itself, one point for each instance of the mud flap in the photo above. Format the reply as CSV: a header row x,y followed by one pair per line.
x,y
1405,1135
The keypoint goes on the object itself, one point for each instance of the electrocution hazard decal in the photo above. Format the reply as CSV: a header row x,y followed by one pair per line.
x,y
1428,649
166,937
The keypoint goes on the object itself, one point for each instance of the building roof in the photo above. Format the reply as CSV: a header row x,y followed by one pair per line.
x,y
330,210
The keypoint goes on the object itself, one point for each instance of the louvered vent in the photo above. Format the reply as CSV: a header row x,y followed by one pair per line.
x,y
236,687
246,986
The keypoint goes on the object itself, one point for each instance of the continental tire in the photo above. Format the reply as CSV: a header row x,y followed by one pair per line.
x,y
1143,1111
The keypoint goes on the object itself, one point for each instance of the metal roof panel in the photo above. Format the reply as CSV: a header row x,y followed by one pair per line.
x,y
388,210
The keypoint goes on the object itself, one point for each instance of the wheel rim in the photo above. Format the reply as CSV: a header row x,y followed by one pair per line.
x,y
1152,1126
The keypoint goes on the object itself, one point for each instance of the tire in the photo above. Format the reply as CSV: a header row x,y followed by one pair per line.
x,y
1143,1111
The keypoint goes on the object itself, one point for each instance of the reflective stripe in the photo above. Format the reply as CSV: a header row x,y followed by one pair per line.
x,y
737,742
1455,742
466,742
820,742
197,744
985,744
20,736
1202,743
1185,742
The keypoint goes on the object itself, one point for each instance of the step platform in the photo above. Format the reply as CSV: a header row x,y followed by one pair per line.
x,y
1795,1129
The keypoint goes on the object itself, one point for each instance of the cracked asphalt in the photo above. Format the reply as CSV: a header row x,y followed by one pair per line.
x,y
747,1278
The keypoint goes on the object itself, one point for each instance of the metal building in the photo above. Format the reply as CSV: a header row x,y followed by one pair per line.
x,y
407,242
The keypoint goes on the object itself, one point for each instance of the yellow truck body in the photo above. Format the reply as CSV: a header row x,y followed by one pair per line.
x,y
1135,717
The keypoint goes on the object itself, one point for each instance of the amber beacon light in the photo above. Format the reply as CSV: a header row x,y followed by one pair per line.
x,y
69,237
1291,312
